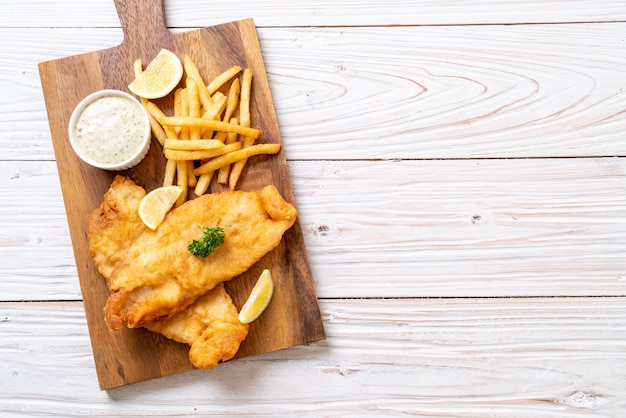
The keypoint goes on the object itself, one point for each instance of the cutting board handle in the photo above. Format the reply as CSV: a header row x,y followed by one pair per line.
x,y
143,21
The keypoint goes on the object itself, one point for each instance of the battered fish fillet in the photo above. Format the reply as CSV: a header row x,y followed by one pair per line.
x,y
158,276
210,325
115,225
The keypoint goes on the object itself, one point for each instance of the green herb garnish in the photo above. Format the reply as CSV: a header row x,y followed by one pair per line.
x,y
211,239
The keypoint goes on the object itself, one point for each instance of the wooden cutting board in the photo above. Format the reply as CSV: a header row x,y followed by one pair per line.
x,y
129,356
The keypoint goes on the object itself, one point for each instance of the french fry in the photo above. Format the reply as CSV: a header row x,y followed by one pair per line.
x,y
137,67
232,136
177,102
182,181
200,154
203,183
158,114
234,156
221,79
193,97
233,100
221,136
216,108
194,106
178,109
157,129
203,130
170,173
215,125
204,96
191,178
192,71
218,96
213,113
224,172
244,105
244,115
237,168
184,112
192,144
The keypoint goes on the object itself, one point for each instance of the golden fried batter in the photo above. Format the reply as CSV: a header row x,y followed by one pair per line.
x,y
210,325
115,225
159,277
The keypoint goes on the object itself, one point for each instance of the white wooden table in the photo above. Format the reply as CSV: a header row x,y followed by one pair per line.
x,y
460,170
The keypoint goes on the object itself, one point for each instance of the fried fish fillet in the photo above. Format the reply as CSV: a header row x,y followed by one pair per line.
x,y
115,225
210,325
158,276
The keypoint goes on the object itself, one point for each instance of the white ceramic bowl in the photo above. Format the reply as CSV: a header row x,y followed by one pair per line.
x,y
107,132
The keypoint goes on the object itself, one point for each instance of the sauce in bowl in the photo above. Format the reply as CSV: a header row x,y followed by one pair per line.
x,y
110,129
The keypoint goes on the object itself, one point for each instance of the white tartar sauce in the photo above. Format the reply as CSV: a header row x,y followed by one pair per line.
x,y
110,130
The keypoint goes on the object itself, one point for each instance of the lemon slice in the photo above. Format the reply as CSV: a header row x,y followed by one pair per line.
x,y
160,77
155,205
259,298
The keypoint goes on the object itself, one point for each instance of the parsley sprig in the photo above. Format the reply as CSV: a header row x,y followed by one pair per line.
x,y
212,237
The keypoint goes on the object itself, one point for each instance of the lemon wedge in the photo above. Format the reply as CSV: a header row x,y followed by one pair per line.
x,y
160,77
259,298
155,205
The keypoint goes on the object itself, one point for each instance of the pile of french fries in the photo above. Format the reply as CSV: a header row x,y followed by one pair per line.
x,y
209,132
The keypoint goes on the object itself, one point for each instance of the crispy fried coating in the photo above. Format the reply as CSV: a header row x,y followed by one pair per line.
x,y
115,225
210,325
158,276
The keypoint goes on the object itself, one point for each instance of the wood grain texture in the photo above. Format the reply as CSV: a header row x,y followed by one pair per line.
x,y
395,92
129,356
393,229
474,92
437,358
35,246
199,13
363,106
